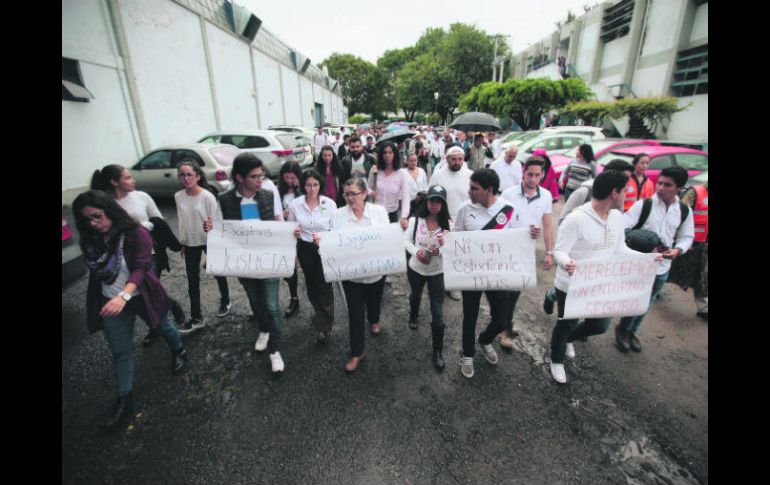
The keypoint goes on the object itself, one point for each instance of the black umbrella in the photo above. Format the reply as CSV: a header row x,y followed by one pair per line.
x,y
475,121
396,136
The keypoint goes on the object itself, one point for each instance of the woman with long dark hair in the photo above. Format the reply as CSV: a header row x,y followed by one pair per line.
x,y
580,169
390,185
313,212
424,238
194,205
117,181
334,174
122,285
289,189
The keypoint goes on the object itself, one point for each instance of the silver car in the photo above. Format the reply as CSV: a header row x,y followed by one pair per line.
x,y
156,173
274,148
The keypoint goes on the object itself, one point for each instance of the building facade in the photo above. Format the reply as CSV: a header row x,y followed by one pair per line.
x,y
141,74
637,48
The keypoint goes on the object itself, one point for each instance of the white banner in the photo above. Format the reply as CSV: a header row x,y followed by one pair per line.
x,y
363,252
501,259
252,249
619,286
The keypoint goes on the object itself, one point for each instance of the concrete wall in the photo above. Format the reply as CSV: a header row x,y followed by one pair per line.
x,y
663,19
615,53
290,79
306,89
651,81
700,26
589,39
233,79
693,123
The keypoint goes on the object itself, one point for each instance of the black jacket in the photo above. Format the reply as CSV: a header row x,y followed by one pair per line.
x,y
163,238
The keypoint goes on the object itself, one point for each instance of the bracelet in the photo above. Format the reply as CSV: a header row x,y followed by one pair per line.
x,y
549,253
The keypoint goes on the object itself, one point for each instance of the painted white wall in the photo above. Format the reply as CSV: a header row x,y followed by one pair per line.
x,y
549,71
290,80
693,123
601,90
700,26
664,19
615,52
232,79
268,90
86,32
651,81
589,40
327,106
88,145
306,87
166,49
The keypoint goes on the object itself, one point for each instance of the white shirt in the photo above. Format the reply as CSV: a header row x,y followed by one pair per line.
x,y
456,184
496,149
528,211
268,184
472,217
319,141
583,235
390,189
315,220
374,215
664,222
140,207
423,239
509,173
437,148
191,211
416,185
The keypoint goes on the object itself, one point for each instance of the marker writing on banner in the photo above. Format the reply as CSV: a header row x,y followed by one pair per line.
x,y
249,261
362,269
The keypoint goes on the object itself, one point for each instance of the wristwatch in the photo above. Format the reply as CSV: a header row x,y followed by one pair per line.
x,y
125,296
549,253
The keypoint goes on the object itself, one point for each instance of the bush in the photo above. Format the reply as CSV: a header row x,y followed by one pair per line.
x,y
652,110
357,119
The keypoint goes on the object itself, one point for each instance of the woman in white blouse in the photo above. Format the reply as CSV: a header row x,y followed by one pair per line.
x,y
363,295
418,181
390,184
194,205
314,212
424,238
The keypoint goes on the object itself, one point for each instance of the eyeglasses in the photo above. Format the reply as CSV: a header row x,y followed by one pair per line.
x,y
351,194
258,176
185,175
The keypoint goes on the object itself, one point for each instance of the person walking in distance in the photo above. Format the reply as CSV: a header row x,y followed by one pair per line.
x,y
288,189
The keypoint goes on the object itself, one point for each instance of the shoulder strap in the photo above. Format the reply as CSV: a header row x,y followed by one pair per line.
x,y
589,195
506,212
646,209
414,232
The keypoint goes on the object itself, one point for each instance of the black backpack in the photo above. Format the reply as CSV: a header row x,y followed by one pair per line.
x,y
644,240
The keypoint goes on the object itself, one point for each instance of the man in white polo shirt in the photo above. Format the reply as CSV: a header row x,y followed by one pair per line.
x,y
508,169
320,139
484,211
531,208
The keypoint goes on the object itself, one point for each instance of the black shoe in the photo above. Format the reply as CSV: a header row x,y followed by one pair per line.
x,y
224,309
150,338
178,360
548,303
621,338
634,343
413,324
176,310
293,307
120,412
703,315
438,359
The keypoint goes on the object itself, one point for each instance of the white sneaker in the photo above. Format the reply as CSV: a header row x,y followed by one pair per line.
x,y
557,371
276,361
570,351
262,341
466,366
489,353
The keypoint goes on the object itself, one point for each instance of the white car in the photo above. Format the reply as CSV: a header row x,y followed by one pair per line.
x,y
272,147
594,132
553,143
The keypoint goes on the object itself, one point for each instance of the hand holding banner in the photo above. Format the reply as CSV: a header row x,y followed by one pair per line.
x,y
619,286
252,249
362,252
489,260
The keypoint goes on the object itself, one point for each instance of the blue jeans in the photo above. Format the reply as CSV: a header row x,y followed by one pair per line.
x,y
263,300
631,324
119,332
567,331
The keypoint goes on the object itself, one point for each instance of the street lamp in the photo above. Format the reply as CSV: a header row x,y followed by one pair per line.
x,y
435,103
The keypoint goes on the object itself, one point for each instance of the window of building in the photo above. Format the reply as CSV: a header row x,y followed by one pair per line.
x,y
72,86
691,75
616,21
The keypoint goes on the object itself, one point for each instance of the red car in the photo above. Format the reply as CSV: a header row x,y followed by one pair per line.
x,y
599,147
695,161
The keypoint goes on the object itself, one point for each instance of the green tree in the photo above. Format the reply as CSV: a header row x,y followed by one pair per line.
x,y
391,62
363,85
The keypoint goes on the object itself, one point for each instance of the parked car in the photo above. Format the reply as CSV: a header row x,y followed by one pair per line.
x,y
699,179
695,145
306,143
695,161
73,267
600,147
156,172
271,146
293,129
593,131
553,143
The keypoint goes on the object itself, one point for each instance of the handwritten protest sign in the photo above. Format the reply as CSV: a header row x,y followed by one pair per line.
x,y
619,286
252,249
489,260
362,252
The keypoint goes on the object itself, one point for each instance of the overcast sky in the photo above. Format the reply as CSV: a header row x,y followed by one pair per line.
x,y
367,29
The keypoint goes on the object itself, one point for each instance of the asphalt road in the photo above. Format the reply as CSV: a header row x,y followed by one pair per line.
x,y
622,418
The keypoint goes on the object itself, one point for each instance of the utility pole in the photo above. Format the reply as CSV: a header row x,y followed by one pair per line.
x,y
494,59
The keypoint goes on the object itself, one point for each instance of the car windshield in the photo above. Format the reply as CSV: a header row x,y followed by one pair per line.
x,y
604,159
288,140
513,136
596,146
224,154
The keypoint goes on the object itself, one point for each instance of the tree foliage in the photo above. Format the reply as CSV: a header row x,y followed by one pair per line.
x,y
525,101
653,111
363,85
